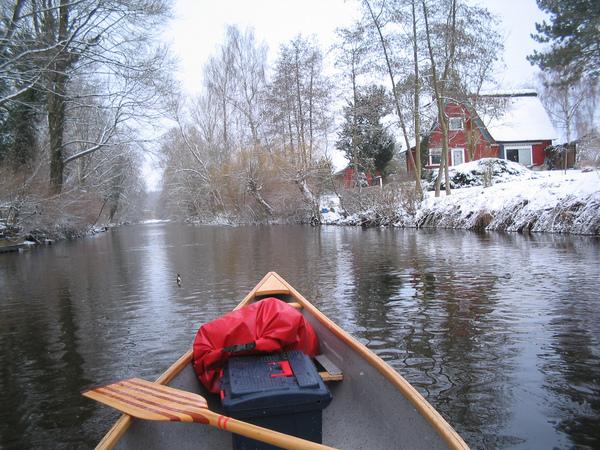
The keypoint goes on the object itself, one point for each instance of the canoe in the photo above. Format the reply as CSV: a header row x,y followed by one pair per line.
x,y
373,406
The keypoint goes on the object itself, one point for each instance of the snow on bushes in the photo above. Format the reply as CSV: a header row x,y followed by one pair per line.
x,y
483,172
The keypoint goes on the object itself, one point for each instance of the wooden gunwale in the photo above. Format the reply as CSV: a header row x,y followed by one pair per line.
x,y
275,285
435,419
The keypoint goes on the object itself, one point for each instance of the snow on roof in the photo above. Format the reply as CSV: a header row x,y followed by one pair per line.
x,y
509,93
338,160
524,119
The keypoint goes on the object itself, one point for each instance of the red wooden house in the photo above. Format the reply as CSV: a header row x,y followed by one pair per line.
x,y
346,178
520,132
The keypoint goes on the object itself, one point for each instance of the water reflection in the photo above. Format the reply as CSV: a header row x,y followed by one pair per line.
x,y
42,368
572,370
499,332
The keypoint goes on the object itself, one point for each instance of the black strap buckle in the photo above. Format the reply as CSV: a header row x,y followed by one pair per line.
x,y
240,347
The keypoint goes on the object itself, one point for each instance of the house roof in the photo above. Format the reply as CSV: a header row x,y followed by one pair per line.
x,y
523,119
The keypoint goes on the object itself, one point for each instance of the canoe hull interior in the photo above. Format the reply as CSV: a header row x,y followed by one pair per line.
x,y
177,435
372,408
366,412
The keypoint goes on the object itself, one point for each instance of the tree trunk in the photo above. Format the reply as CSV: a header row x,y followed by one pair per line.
x,y
568,127
300,126
254,187
446,173
259,198
439,96
354,126
224,118
394,92
112,211
309,197
56,125
310,114
56,105
438,180
417,158
289,115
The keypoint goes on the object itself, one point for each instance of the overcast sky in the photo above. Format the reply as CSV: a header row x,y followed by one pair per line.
x,y
198,28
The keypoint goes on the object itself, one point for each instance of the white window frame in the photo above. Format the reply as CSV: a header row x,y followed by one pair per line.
x,y
429,156
452,154
519,147
460,128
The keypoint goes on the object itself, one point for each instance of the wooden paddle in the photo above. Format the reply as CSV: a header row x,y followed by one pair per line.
x,y
151,401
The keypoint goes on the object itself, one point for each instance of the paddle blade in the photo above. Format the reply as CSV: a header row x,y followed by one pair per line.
x,y
150,401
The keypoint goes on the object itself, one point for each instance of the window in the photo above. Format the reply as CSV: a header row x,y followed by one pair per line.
x,y
435,156
521,155
458,156
455,123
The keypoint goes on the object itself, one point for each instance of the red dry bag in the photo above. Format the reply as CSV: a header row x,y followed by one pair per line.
x,y
267,326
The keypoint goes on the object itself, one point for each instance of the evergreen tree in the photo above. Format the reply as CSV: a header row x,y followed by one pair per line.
x,y
574,34
363,138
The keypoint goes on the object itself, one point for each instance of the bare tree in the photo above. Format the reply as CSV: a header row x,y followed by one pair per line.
x,y
438,81
417,94
571,106
299,99
249,63
463,50
378,22
406,41
353,56
441,48
219,81
197,165
477,58
215,156
59,40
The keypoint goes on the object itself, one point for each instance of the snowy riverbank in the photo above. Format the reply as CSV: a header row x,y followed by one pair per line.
x,y
526,201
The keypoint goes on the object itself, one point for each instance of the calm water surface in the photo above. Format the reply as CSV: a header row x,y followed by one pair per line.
x,y
501,333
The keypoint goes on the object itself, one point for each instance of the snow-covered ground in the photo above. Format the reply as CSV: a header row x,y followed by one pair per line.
x,y
523,200
552,202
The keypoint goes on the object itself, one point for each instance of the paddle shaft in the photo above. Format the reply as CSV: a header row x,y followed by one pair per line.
x,y
150,401
261,434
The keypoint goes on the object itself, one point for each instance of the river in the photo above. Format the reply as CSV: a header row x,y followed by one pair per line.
x,y
500,332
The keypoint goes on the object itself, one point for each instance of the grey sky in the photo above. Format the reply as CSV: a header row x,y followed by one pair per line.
x,y
198,28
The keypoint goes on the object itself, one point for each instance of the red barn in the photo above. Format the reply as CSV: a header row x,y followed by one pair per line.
x,y
519,132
